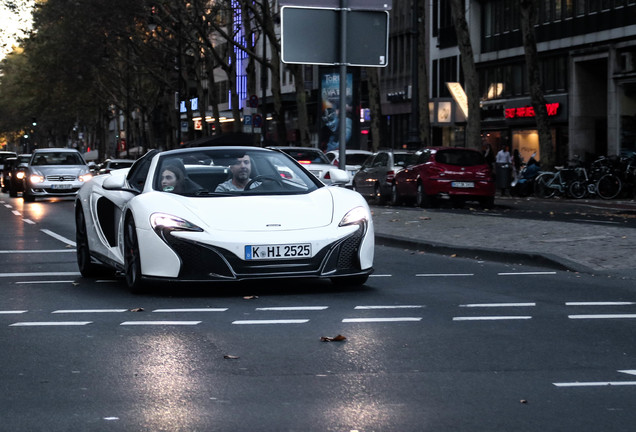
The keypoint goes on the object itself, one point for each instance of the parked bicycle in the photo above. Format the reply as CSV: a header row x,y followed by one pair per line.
x,y
548,184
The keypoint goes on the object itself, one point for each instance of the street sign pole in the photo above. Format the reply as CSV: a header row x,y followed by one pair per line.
x,y
344,4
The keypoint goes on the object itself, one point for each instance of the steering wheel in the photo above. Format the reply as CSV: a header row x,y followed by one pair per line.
x,y
263,178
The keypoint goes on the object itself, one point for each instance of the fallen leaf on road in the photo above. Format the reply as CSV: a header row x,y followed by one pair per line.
x,y
138,309
230,357
424,218
250,297
523,401
338,338
453,256
394,220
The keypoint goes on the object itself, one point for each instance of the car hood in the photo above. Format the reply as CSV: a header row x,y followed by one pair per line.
x,y
258,213
60,170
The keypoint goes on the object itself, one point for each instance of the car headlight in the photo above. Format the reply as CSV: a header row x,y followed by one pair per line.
x,y
161,221
20,175
85,177
36,178
356,216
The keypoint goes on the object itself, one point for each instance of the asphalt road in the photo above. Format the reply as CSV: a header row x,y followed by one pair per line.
x,y
432,343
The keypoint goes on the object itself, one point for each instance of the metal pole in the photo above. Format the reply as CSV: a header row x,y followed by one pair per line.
x,y
179,83
414,134
342,122
264,85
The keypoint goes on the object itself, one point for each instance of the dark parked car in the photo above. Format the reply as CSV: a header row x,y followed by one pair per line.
x,y
445,172
16,174
4,155
375,177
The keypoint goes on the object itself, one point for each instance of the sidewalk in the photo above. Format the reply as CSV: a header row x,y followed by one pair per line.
x,y
575,246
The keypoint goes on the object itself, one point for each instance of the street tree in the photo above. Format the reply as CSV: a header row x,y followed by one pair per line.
x,y
528,9
471,78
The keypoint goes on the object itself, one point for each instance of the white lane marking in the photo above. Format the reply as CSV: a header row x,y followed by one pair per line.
x,y
527,273
380,275
596,384
602,316
294,308
282,321
43,282
50,323
600,383
491,318
444,274
58,237
389,307
10,312
72,311
29,221
486,305
601,303
8,206
15,212
34,251
40,274
372,320
192,310
160,323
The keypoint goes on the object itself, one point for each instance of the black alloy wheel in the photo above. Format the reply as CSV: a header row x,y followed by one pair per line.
x,y
86,267
132,260
422,199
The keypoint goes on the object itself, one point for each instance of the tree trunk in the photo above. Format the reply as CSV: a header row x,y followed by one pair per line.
x,y
528,19
471,79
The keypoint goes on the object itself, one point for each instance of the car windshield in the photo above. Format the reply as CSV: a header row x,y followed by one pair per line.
x,y
119,164
356,158
308,156
404,159
223,172
460,157
57,158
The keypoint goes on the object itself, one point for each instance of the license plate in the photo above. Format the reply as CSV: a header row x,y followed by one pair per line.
x,y
463,184
277,251
62,186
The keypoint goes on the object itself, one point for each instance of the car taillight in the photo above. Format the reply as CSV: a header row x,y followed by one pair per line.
x,y
304,162
390,175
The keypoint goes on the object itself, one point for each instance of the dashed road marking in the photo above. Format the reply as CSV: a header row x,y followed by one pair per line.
x,y
487,305
377,320
599,303
281,321
58,237
74,311
190,310
293,308
389,307
444,274
603,316
536,273
492,318
159,323
49,323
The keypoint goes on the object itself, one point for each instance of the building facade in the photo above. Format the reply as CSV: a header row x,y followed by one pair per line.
x,y
587,52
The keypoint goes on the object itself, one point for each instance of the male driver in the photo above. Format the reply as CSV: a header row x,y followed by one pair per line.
x,y
241,169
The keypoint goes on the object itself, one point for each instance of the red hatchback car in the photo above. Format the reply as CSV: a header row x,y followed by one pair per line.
x,y
460,174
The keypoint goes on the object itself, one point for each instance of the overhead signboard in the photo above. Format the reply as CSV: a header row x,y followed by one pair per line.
x,y
335,4
367,38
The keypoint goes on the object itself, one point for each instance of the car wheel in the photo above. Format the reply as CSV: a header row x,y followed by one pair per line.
x,y
350,280
132,260
86,267
377,194
422,199
27,196
395,197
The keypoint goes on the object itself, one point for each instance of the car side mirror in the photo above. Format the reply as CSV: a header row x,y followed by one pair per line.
x,y
337,177
118,183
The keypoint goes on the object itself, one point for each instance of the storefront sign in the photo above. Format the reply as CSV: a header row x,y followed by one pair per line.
x,y
528,111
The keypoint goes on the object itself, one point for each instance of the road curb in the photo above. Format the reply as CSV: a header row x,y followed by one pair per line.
x,y
490,254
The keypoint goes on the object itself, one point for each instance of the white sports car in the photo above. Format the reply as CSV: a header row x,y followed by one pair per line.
x,y
222,213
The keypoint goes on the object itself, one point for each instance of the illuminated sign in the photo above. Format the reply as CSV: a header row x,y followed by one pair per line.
x,y
528,111
459,95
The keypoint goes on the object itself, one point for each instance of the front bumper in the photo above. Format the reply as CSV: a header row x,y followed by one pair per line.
x,y
204,262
